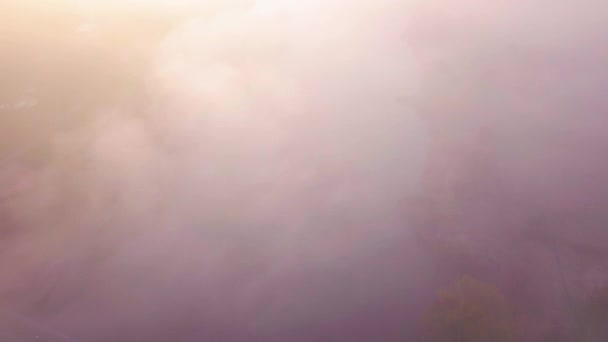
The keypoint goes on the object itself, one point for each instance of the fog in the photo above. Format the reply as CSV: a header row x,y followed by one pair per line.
x,y
300,171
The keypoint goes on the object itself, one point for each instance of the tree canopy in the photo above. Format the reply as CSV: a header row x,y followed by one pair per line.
x,y
470,311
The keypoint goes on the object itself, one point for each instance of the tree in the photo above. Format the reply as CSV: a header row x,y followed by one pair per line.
x,y
596,316
470,311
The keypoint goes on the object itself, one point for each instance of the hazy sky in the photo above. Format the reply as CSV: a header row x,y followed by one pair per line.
x,y
247,172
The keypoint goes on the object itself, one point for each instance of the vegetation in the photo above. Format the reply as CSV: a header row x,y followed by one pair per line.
x,y
63,71
470,311
596,316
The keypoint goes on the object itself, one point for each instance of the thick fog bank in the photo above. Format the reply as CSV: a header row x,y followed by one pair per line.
x,y
296,171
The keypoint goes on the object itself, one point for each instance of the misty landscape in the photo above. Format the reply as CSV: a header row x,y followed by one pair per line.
x,y
303,171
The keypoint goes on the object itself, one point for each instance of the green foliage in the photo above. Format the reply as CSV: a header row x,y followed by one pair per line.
x,y
470,311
